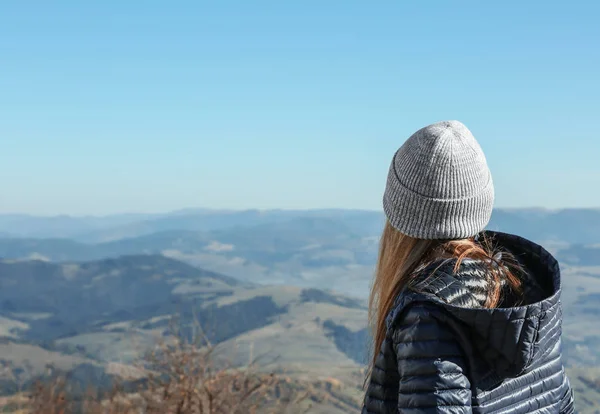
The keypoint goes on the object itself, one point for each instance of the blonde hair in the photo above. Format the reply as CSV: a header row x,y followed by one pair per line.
x,y
399,257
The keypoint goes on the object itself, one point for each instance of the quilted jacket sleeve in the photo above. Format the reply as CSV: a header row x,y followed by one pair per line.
x,y
431,365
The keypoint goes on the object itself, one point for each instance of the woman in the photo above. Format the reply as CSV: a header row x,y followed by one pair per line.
x,y
465,320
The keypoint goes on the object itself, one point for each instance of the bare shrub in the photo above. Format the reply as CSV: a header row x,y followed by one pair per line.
x,y
183,377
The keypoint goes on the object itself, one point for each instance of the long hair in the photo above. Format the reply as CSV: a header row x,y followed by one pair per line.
x,y
399,257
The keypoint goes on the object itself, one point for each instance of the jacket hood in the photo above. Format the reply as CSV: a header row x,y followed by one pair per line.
x,y
510,339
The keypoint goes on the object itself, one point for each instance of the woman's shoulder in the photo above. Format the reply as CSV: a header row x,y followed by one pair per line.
x,y
465,284
440,282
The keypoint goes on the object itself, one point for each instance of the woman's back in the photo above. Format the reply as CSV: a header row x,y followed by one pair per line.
x,y
445,352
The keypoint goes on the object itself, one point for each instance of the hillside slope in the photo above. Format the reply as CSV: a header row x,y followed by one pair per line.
x,y
112,310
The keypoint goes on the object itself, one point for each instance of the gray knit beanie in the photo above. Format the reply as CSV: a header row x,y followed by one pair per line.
x,y
439,185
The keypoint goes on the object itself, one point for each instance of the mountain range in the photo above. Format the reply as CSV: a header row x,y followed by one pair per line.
x,y
330,249
566,225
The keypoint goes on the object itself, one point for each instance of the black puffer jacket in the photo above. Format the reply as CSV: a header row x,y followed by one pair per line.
x,y
445,353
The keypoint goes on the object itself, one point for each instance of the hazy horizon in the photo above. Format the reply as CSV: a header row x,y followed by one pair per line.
x,y
184,210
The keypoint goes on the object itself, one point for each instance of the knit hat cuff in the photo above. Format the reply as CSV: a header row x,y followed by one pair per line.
x,y
436,219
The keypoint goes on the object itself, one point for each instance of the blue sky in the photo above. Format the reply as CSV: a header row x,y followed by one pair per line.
x,y
115,106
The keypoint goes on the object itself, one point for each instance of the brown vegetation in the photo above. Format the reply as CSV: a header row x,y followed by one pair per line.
x,y
182,378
